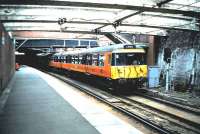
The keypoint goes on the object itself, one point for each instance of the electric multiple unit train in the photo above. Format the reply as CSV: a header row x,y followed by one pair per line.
x,y
121,64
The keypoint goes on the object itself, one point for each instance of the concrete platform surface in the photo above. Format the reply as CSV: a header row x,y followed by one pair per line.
x,y
33,107
41,104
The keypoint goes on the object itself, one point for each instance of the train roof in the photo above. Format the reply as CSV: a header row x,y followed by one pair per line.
x,y
111,48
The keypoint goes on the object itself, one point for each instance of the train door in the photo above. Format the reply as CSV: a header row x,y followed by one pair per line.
x,y
95,64
101,64
107,64
98,64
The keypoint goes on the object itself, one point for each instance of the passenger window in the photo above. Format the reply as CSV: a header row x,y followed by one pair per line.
x,y
83,61
79,59
73,59
95,61
101,60
76,60
69,59
89,59
61,59
66,59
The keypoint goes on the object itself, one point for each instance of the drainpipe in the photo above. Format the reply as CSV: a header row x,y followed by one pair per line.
x,y
167,79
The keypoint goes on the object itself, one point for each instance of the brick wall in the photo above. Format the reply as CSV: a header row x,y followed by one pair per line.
x,y
7,58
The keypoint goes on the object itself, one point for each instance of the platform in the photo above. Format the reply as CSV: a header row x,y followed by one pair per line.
x,y
38,104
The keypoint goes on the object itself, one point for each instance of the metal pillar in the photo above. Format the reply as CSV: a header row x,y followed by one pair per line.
x,y
21,44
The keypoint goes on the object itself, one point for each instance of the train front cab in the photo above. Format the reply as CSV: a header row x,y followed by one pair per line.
x,y
128,67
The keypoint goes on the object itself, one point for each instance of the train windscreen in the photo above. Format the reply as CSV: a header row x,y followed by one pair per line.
x,y
126,59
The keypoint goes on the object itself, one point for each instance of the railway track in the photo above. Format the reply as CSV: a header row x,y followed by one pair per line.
x,y
175,119
159,121
176,112
184,107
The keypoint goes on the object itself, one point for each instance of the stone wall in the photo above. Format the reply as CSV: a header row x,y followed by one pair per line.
x,y
7,58
185,58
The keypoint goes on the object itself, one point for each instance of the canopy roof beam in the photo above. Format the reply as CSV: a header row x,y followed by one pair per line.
x,y
167,16
75,32
163,2
36,28
99,5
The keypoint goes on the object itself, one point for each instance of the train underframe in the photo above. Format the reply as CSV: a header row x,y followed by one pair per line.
x,y
122,84
128,84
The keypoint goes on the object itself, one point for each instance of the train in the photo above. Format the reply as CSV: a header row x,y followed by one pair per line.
x,y
120,64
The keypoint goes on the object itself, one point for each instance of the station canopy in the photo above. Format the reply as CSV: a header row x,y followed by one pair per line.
x,y
22,18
